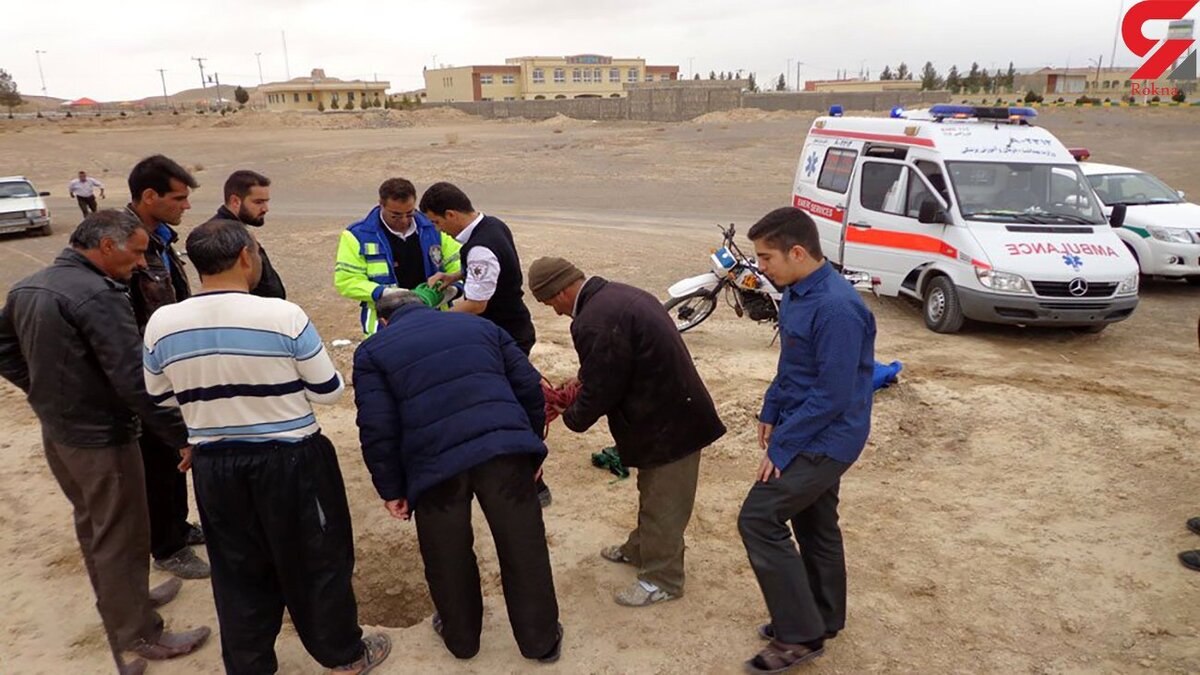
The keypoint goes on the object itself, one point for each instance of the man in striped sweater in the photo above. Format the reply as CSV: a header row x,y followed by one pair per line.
x,y
245,371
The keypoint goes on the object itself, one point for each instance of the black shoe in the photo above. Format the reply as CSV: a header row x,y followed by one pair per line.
x,y
544,496
556,651
767,632
1194,525
1190,560
195,535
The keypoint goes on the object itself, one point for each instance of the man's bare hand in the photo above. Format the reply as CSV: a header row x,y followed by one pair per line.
x,y
441,280
185,461
398,508
764,435
767,470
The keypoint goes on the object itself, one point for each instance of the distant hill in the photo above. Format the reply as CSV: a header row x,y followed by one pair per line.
x,y
34,103
191,97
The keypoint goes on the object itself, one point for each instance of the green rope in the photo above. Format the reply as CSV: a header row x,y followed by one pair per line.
x,y
429,296
609,459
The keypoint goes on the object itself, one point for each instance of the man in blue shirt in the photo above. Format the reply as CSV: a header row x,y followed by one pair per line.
x,y
814,423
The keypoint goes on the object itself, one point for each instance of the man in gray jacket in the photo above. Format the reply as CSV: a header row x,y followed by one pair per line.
x,y
69,340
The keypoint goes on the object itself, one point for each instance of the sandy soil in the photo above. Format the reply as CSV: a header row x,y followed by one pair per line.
x,y
1018,510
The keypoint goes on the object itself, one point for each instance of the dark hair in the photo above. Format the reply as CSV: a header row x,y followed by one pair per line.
x,y
443,197
106,224
399,189
240,182
214,247
393,299
784,228
155,173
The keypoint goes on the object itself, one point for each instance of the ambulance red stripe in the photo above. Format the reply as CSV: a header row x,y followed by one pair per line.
x,y
883,138
908,242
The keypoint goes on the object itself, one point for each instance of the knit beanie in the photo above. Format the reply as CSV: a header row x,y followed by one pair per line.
x,y
549,276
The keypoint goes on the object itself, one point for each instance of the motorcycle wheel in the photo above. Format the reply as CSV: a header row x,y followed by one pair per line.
x,y
691,310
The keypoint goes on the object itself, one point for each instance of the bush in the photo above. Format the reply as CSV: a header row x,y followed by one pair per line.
x,y
123,114
1108,100
40,115
1179,97
320,106
68,113
363,104
334,105
1084,100
1061,100
1156,99
1034,97
174,112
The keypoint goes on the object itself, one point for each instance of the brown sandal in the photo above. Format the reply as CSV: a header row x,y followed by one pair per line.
x,y
780,657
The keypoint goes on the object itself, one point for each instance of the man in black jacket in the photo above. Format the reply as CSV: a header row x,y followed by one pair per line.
x,y
246,196
160,188
636,370
68,339
493,285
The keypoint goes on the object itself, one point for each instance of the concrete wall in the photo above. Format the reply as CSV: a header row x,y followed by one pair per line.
x,y
579,108
820,102
673,101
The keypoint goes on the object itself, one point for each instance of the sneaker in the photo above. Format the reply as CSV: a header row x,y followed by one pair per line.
x,y
1190,560
171,645
185,564
615,554
638,595
1194,525
195,535
376,649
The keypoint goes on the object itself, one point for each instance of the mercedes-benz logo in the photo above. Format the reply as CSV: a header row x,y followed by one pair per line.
x,y
1078,287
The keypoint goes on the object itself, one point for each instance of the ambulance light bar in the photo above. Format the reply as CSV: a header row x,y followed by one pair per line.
x,y
1080,154
836,111
962,112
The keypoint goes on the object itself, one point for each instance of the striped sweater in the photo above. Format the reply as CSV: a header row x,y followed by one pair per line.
x,y
240,367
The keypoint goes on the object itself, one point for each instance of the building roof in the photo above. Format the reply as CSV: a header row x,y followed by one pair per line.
x,y
319,80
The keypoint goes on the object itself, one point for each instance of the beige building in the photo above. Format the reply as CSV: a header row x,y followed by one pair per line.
x,y
535,78
1103,82
858,85
317,91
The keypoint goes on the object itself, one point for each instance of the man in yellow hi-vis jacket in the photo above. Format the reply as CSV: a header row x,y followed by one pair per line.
x,y
395,245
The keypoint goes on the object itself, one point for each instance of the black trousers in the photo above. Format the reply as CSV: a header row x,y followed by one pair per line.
x,y
166,497
279,535
86,204
509,501
805,590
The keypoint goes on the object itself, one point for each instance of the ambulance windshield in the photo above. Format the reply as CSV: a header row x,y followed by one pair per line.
x,y
1003,192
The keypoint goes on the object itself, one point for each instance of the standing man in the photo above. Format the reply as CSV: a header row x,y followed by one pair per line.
x,y
245,371
159,188
814,423
636,370
246,196
68,339
493,284
83,190
447,411
394,246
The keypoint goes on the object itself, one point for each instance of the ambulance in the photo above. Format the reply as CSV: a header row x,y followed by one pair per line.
x,y
973,211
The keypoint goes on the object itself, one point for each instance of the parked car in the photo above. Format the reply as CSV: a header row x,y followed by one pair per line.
x,y
1161,228
22,208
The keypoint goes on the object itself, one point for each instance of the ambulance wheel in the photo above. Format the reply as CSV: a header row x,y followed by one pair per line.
x,y
1194,280
691,310
943,311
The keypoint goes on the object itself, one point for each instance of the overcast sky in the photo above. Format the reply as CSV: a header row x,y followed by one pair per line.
x,y
112,51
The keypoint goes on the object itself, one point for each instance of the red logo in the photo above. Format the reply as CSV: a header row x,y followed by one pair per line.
x,y
1170,49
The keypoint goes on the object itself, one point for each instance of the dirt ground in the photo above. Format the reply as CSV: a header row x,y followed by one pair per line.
x,y
1018,509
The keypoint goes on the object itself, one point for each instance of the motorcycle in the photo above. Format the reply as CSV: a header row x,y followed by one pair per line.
x,y
746,289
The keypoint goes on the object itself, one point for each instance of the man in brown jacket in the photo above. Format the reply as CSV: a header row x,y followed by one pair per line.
x,y
636,370
159,188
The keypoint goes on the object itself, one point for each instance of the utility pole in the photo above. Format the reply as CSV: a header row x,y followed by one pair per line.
x,y
789,74
163,76
1116,33
37,53
691,70
201,60
217,79
258,55
287,66
798,64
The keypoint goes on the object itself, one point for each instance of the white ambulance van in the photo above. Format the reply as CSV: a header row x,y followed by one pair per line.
x,y
973,211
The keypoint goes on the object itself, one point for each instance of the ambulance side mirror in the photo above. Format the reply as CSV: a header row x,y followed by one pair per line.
x,y
1117,219
1182,194
931,213
47,194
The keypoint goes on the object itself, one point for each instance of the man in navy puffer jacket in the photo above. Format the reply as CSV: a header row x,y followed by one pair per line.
x,y
447,408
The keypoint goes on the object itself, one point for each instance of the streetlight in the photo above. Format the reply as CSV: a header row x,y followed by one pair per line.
x,y
798,64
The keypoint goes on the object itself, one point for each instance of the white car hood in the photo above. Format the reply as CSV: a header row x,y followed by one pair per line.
x,y
1070,253
1184,215
14,204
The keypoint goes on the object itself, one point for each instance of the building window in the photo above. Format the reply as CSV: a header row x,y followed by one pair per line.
x,y
633,74
614,75
599,75
560,76
508,79
539,76
510,98
296,98
576,76
587,74
349,97
649,77
310,97
485,79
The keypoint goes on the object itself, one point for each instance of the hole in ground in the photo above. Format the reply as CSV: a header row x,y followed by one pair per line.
x,y
389,582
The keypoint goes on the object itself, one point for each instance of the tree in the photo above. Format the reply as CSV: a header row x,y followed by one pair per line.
x,y
985,81
363,103
887,74
712,74
241,95
376,103
320,106
953,80
696,76
1010,78
781,83
903,73
10,97
930,79
972,82
752,84
333,105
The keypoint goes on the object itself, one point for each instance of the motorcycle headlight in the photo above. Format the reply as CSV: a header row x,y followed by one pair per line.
x,y
1173,235
1129,286
1002,282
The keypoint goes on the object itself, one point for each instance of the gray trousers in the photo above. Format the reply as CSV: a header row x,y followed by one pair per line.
x,y
666,496
107,489
805,589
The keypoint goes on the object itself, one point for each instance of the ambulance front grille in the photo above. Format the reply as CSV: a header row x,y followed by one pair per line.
x,y
1062,289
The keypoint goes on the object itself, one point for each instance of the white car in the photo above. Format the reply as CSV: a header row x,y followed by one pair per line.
x,y
1161,229
22,208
